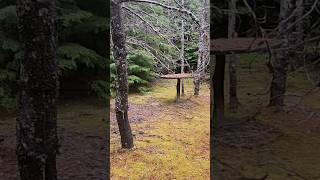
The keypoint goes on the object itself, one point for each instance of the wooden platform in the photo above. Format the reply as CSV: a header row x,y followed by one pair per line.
x,y
242,45
177,76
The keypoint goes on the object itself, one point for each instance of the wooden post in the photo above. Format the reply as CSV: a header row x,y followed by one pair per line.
x,y
178,90
218,85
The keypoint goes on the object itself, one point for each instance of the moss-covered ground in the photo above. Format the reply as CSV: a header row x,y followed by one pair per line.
x,y
291,155
171,144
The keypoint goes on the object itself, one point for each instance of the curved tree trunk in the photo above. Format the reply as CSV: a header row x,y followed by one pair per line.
x,y
120,56
37,141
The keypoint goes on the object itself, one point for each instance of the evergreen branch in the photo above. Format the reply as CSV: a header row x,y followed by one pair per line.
x,y
182,10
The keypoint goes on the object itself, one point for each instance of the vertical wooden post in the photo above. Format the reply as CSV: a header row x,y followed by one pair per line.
x,y
178,90
218,85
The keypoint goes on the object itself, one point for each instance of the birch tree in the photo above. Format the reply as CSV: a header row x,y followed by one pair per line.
x,y
182,50
204,42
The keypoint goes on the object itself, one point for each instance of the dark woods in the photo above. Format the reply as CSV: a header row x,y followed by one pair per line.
x,y
283,38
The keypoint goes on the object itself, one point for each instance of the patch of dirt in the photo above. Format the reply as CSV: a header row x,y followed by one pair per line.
x,y
247,134
137,113
271,144
82,155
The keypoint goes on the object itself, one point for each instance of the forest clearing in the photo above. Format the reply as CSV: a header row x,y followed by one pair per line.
x,y
262,142
171,139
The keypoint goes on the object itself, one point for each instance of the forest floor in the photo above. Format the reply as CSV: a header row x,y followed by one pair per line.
x,y
82,135
261,142
171,139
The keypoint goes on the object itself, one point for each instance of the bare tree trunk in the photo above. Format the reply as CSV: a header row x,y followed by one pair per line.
x,y
182,51
37,141
299,59
203,55
233,98
120,56
280,63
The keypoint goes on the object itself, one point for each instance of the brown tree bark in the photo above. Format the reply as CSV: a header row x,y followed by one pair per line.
x,y
280,62
122,85
37,142
233,98
299,57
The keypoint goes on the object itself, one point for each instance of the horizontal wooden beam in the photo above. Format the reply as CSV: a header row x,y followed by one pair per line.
x,y
242,45
176,76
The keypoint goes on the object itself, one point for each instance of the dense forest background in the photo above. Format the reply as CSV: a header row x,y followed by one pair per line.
x,y
154,42
81,50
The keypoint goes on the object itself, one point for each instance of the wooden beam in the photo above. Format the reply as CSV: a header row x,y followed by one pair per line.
x,y
242,45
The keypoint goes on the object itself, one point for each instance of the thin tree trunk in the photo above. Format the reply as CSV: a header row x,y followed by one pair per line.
x,y
299,60
280,63
120,56
37,141
203,55
182,51
233,98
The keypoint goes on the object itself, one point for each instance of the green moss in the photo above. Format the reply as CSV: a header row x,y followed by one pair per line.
x,y
180,147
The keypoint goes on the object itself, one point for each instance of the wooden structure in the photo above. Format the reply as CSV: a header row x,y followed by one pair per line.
x,y
178,77
222,47
242,45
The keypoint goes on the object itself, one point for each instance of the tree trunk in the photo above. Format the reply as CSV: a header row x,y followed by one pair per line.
x,y
233,98
182,51
280,63
203,55
37,141
120,56
299,58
